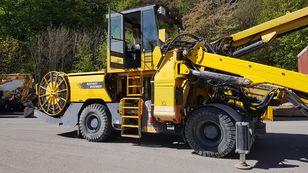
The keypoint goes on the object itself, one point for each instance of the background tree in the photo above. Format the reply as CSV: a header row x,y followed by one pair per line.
x,y
37,36
284,50
211,19
8,54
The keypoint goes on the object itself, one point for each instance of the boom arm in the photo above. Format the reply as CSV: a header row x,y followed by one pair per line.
x,y
222,70
255,37
257,73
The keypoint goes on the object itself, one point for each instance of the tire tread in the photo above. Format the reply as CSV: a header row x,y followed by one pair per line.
x,y
104,116
208,112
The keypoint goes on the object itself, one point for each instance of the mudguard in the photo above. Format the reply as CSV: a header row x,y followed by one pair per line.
x,y
69,119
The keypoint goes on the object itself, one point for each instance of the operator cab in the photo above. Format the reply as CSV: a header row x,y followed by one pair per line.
x,y
133,34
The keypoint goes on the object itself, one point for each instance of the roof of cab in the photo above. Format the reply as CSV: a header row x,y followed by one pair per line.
x,y
143,8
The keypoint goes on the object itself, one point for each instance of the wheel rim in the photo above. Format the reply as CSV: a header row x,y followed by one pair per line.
x,y
209,134
53,93
92,123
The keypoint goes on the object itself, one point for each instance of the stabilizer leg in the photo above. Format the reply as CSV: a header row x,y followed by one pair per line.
x,y
242,144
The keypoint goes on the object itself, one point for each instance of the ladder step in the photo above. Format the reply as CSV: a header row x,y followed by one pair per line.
x,y
130,98
134,94
133,77
131,110
130,116
131,126
134,86
130,107
131,136
148,60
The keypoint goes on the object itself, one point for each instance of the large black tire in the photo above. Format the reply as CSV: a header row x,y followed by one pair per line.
x,y
210,132
95,123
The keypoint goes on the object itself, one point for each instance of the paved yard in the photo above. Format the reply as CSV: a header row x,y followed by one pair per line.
x,y
30,145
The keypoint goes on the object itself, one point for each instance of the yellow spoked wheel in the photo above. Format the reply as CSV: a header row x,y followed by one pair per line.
x,y
53,93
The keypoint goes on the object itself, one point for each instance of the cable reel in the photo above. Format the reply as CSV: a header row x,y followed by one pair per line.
x,y
53,93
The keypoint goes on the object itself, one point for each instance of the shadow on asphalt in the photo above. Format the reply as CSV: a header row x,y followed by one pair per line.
x,y
12,115
272,150
166,140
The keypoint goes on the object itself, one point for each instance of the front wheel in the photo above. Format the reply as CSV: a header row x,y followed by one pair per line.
x,y
210,132
95,123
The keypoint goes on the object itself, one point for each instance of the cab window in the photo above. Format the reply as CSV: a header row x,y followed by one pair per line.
x,y
149,31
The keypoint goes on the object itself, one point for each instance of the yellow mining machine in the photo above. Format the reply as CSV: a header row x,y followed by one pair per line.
x,y
197,88
17,93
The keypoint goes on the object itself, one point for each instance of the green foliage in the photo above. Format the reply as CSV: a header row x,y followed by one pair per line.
x,y
283,51
24,18
88,51
84,61
102,54
125,4
28,21
9,48
247,13
28,45
211,19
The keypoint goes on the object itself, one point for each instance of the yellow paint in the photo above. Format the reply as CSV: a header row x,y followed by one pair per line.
x,y
149,129
28,79
134,84
52,91
156,56
118,60
78,94
280,25
147,61
268,115
126,123
256,72
103,71
164,89
173,74
268,37
162,35
166,82
182,69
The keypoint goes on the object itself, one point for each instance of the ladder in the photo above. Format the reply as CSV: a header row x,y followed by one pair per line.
x,y
134,85
131,112
148,61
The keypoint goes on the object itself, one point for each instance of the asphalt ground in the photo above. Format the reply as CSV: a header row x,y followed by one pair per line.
x,y
31,145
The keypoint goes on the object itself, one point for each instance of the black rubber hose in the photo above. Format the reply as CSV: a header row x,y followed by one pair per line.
x,y
172,42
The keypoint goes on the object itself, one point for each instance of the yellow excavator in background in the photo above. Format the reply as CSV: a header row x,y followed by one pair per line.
x,y
17,94
199,89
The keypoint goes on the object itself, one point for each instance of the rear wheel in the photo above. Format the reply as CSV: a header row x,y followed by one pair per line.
x,y
210,132
95,123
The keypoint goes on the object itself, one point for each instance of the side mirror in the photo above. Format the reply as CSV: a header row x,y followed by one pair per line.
x,y
162,35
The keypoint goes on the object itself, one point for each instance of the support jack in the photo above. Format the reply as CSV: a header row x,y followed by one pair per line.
x,y
243,138
242,164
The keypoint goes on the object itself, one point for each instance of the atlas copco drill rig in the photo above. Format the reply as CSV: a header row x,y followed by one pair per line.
x,y
198,88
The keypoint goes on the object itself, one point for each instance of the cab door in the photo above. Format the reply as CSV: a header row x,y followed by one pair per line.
x,y
116,42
